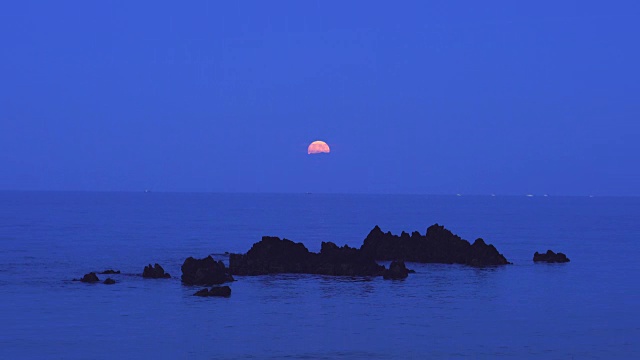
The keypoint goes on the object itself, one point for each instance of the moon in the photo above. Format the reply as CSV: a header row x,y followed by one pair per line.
x,y
318,147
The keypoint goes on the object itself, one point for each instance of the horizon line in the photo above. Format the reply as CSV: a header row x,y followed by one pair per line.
x,y
148,191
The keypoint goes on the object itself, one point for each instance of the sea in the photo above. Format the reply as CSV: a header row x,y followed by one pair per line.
x,y
588,308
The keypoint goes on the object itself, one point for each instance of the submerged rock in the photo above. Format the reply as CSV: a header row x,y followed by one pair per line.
x,y
204,272
155,272
221,291
272,255
397,270
109,281
109,272
90,278
438,245
550,257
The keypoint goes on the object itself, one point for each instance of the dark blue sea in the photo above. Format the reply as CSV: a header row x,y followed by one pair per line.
x,y
586,309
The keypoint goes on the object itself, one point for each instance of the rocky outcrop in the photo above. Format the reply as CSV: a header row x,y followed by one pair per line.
x,y
344,261
109,281
109,272
272,255
438,245
155,272
205,272
222,291
550,257
90,278
397,271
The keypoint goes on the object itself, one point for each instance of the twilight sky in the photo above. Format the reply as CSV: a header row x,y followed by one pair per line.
x,y
435,97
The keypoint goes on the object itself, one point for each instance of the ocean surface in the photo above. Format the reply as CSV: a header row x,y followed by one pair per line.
x,y
586,309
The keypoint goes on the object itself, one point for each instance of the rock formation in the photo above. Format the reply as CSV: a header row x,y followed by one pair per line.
x,y
154,272
223,291
397,270
90,278
272,255
550,257
109,281
341,261
205,272
109,272
438,245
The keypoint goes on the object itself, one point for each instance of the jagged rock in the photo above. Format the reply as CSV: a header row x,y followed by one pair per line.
x,y
438,245
154,272
483,254
550,257
90,278
204,272
222,291
272,255
109,281
344,261
397,270
109,272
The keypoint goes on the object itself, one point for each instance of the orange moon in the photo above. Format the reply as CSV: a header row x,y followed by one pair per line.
x,y
318,147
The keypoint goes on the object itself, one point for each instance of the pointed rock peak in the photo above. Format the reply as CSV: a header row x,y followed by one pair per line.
x,y
327,246
479,242
436,230
376,231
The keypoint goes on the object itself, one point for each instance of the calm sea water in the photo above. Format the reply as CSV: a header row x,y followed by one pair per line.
x,y
588,308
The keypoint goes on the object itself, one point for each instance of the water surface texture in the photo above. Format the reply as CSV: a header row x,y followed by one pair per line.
x,y
585,309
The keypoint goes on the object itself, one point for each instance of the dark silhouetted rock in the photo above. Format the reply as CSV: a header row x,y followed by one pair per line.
x,y
222,291
109,272
550,257
397,270
203,292
109,281
438,245
272,255
90,278
204,272
344,261
154,272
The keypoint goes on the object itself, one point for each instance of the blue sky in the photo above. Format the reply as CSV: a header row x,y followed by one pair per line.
x,y
435,97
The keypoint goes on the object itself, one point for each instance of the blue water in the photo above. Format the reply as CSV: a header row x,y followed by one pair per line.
x,y
585,309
